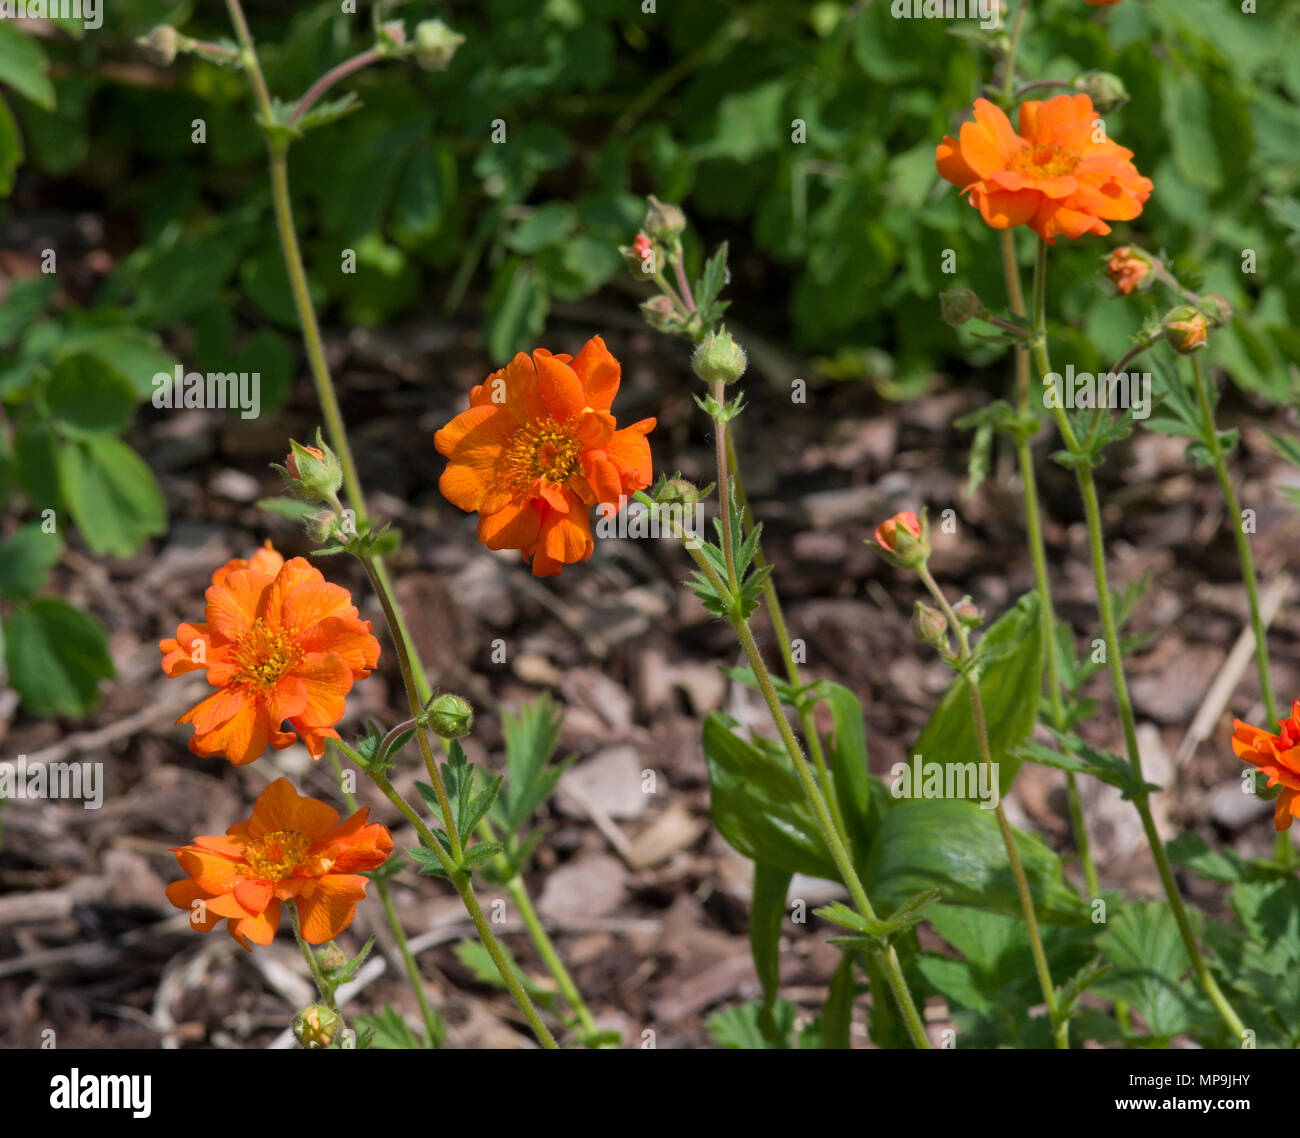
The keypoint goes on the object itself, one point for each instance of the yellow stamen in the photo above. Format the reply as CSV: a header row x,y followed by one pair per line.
x,y
263,654
276,855
543,449
1044,162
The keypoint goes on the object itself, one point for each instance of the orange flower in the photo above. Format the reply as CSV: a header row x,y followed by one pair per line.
x,y
538,448
887,531
292,849
1054,176
280,643
1128,268
1278,756
266,559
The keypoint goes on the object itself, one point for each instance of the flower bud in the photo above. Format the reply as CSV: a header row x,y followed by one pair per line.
x,y
719,359
660,313
644,259
663,222
903,540
314,1026
929,625
1184,329
435,44
393,32
312,473
967,614
1215,309
161,44
957,305
451,716
678,492
1129,268
331,957
1106,91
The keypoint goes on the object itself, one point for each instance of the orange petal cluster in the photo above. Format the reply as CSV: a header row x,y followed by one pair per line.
x,y
293,848
887,529
1276,755
538,448
1059,175
279,643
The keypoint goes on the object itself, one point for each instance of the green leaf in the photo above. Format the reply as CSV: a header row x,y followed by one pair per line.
x,y
1011,670
1190,851
955,845
517,305
112,494
390,1032
1076,756
877,933
26,303
738,1029
548,224
1144,944
11,149
56,655
837,1011
766,920
134,354
36,462
860,797
24,66
87,395
26,559
758,803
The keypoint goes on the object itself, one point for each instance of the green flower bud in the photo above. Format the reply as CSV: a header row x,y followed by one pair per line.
x,y
435,44
678,492
313,474
1184,329
966,612
957,305
660,313
314,1026
904,540
663,222
719,359
1215,309
1104,89
451,716
161,44
929,625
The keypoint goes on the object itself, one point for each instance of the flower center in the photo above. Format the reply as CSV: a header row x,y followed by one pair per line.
x,y
263,654
276,855
543,449
1044,162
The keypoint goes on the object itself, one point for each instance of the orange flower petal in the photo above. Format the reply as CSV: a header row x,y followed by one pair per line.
x,y
331,907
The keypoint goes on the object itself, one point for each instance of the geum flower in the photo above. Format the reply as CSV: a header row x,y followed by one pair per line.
x,y
280,643
1276,755
538,448
1058,175
293,848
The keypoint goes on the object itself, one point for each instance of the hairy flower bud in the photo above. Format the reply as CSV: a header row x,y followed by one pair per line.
x,y
435,44
678,492
161,44
451,716
661,314
314,1026
312,473
1106,91
1184,329
929,625
719,359
966,612
663,222
957,305
1129,268
904,540
1215,309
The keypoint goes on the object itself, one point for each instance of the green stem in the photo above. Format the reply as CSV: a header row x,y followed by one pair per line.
x,y
1115,660
781,631
838,851
433,1024
1038,554
323,986
405,659
461,882
277,154
541,939
1284,853
1060,1024
1009,65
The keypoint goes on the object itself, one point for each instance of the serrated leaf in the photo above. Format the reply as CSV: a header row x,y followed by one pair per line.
x,y
56,657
